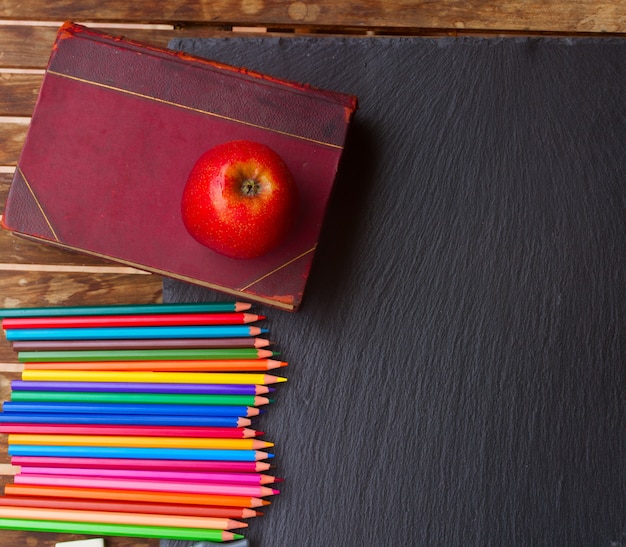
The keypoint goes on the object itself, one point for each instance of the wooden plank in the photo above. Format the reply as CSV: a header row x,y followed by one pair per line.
x,y
50,288
532,15
23,46
12,137
18,93
5,182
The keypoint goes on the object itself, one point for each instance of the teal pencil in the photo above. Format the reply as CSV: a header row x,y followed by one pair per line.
x,y
143,355
125,309
135,398
129,530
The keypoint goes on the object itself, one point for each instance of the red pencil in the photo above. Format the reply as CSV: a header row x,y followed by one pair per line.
x,y
132,507
151,320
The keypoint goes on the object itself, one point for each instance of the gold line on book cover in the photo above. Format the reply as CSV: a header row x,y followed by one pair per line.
x,y
258,280
32,193
192,109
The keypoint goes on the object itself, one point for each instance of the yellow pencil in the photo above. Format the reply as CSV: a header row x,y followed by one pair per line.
x,y
151,377
135,441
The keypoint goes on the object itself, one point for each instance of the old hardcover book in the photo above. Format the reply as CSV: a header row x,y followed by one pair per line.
x,y
117,127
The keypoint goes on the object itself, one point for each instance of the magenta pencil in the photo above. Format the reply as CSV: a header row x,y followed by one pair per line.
x,y
251,479
214,489
139,431
127,463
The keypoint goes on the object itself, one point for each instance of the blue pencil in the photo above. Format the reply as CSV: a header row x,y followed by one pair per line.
x,y
137,453
124,419
135,333
139,387
115,408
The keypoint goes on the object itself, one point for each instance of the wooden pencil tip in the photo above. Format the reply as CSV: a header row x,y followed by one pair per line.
x,y
250,513
242,306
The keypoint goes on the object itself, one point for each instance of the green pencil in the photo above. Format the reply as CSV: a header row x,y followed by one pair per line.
x,y
128,530
137,398
126,309
143,355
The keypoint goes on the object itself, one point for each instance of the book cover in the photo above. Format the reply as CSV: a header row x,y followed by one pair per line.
x,y
118,126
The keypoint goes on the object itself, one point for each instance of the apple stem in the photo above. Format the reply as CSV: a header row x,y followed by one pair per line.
x,y
250,187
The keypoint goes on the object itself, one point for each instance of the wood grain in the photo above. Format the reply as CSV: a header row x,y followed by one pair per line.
x,y
535,15
18,93
41,38
12,137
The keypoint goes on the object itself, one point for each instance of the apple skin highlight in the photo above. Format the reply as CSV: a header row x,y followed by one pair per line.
x,y
240,199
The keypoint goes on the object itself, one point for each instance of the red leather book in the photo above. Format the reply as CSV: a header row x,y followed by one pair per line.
x,y
117,128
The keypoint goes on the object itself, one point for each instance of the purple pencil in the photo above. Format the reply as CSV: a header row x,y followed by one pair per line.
x,y
138,387
193,343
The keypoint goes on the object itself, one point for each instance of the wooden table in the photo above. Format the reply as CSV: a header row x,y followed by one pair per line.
x,y
35,275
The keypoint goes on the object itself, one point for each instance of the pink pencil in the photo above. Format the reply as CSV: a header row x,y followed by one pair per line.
x,y
154,475
154,486
139,430
127,463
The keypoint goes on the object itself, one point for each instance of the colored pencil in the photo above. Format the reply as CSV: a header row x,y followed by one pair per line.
x,y
199,365
144,355
139,442
125,419
108,483
119,309
135,495
147,320
137,452
146,431
145,464
137,398
166,343
121,333
250,479
142,387
151,377
79,515
143,409
130,530
132,507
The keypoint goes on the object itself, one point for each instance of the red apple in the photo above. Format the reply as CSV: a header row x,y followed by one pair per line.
x,y
240,199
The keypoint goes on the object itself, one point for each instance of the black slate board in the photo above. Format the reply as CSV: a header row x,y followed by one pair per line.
x,y
456,371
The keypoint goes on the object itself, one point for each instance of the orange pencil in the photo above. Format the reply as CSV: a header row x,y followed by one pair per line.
x,y
230,365
134,495
132,507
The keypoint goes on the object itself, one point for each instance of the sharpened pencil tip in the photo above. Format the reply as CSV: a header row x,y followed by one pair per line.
x,y
242,306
